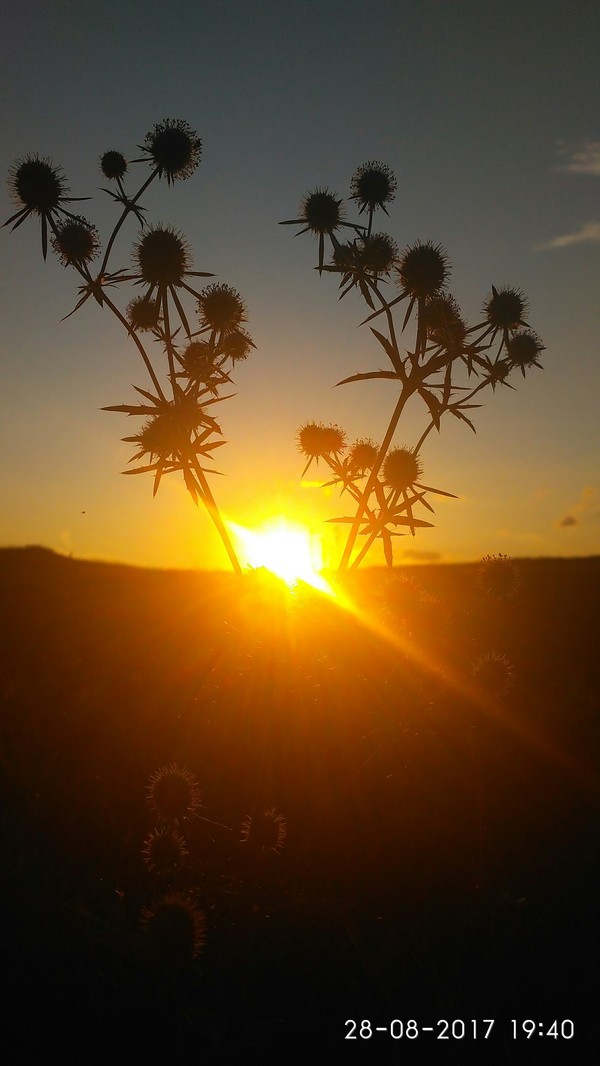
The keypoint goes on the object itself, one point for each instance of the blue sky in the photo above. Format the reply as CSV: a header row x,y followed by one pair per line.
x,y
487,113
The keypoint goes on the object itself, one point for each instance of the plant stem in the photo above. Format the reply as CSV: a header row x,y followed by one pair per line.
x,y
405,395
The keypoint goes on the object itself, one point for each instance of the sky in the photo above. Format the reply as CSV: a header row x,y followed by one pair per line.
x,y
488,115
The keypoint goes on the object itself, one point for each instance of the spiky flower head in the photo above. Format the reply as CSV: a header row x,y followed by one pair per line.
x,y
173,793
424,269
236,346
113,165
344,256
142,314
263,832
321,211
498,576
174,148
174,930
401,469
164,850
163,256
373,185
163,435
221,307
75,241
362,456
37,184
495,673
316,440
377,253
523,349
505,308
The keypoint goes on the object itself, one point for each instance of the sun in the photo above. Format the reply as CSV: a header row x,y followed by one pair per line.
x,y
288,550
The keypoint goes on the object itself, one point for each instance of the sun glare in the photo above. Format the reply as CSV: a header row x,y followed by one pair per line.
x,y
290,551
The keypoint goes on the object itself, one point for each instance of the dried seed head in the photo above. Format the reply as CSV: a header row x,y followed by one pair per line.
x,y
495,673
174,929
163,256
164,850
377,254
266,831
322,211
523,348
401,468
76,241
373,185
498,576
37,184
142,314
174,148
236,346
113,165
362,456
173,793
505,308
316,440
221,308
424,269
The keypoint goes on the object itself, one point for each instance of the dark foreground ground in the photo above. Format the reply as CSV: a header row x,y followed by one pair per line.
x,y
441,858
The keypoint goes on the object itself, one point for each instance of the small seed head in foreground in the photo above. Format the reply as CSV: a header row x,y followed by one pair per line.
x,y
424,269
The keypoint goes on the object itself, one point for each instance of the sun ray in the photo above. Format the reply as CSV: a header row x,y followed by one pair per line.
x,y
289,550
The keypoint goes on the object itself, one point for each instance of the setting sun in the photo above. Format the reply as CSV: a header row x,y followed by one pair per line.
x,y
291,551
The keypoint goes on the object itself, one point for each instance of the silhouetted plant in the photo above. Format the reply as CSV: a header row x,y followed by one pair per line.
x,y
179,432
447,363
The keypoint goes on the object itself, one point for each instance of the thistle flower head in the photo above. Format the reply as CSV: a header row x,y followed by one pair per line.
x,y
221,307
505,308
321,211
113,165
423,269
316,440
37,185
174,930
164,850
373,185
377,253
523,348
401,469
164,434
263,832
174,148
76,241
236,345
362,456
142,314
498,576
344,256
173,793
495,673
163,256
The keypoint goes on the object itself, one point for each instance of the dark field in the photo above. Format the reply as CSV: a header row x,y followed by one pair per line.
x,y
441,859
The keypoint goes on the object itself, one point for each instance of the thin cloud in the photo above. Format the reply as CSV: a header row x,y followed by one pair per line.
x,y
422,556
585,510
584,160
589,233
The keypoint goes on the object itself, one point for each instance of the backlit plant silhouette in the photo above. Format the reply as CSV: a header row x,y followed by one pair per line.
x,y
447,363
179,433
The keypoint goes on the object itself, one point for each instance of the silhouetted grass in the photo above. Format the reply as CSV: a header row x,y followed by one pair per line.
x,y
441,855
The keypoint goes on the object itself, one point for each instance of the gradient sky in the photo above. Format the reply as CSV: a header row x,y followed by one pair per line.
x,y
487,113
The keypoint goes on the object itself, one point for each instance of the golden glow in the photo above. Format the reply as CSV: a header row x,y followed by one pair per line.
x,y
289,550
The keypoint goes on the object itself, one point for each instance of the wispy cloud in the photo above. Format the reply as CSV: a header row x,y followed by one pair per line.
x,y
588,233
585,159
586,509
581,159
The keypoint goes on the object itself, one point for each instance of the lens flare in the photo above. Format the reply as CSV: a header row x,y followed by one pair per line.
x,y
290,551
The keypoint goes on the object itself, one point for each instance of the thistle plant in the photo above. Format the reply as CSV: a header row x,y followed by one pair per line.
x,y
179,432
447,364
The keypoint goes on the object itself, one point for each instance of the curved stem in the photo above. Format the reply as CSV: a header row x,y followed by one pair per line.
x,y
126,212
140,346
